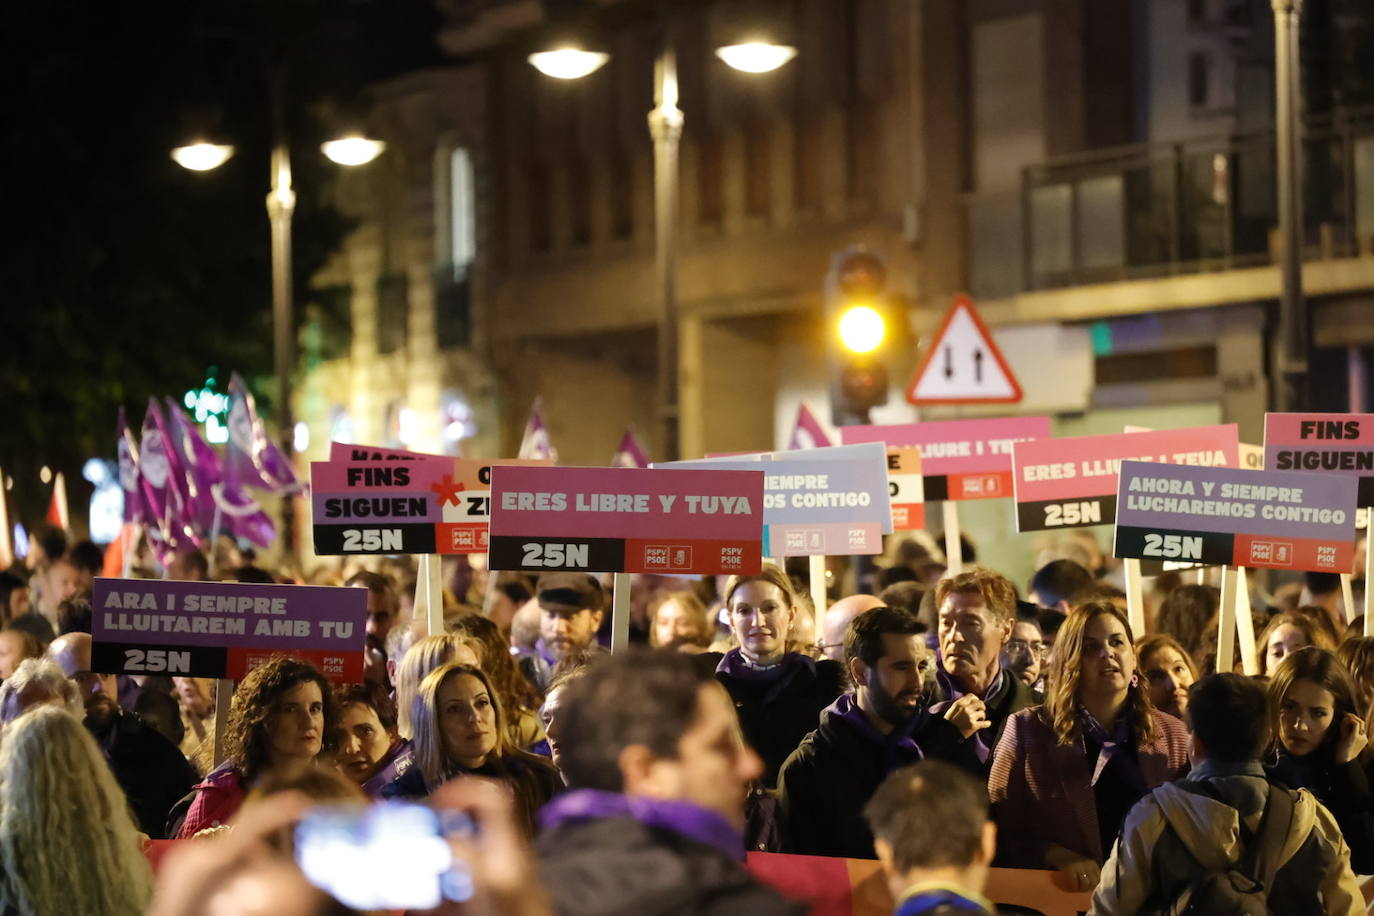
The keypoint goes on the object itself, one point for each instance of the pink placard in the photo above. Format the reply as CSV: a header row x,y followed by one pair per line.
x,y
956,446
1324,430
626,503
342,451
1086,466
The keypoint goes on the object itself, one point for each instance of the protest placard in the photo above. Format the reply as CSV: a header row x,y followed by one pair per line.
x,y
1330,443
1070,483
224,629
907,488
418,506
820,501
960,459
1233,517
631,520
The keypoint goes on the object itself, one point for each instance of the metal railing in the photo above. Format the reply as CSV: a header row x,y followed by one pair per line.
x,y
1153,210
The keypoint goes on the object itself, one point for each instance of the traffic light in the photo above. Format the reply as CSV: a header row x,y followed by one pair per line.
x,y
857,319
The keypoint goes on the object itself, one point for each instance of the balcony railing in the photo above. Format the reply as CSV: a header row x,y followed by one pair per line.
x,y
1164,209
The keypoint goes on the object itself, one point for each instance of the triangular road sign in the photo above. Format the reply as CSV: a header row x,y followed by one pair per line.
x,y
963,365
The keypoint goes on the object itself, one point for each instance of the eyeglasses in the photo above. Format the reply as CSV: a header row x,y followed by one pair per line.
x,y
1038,649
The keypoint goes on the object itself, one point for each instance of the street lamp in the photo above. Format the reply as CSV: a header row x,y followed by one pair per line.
x,y
665,127
352,150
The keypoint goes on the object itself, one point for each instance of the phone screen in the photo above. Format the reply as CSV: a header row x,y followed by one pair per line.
x,y
391,855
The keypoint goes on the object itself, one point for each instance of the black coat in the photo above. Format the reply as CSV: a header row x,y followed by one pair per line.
x,y
150,769
774,720
1020,696
617,866
825,784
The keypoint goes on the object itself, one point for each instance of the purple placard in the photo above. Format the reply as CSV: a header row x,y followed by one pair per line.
x,y
1215,516
229,614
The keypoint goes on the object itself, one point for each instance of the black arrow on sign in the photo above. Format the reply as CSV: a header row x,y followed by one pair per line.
x,y
949,363
978,365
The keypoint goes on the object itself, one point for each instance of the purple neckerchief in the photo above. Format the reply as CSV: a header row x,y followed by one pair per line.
x,y
775,677
1114,746
544,652
953,690
692,821
397,760
899,748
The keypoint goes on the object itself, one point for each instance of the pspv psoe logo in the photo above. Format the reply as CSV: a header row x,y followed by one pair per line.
x,y
982,486
1272,553
667,557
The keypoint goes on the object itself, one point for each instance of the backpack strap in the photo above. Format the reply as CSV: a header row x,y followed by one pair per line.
x,y
1261,859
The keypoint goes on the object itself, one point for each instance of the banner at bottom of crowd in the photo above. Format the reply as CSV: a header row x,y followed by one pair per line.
x,y
225,629
1232,517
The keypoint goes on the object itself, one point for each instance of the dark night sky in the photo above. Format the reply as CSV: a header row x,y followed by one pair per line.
x,y
125,275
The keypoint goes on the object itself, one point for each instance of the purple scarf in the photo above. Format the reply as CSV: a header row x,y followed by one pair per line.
x,y
954,690
773,678
898,747
692,821
397,761
1114,746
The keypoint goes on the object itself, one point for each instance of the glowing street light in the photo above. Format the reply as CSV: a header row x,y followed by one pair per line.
x,y
202,157
568,63
756,56
353,150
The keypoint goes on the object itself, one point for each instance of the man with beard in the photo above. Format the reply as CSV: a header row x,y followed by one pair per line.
x,y
149,768
570,613
976,615
865,735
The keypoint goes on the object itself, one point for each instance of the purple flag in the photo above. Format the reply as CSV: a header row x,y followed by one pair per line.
x,y
535,443
239,513
807,431
127,449
630,454
251,459
163,484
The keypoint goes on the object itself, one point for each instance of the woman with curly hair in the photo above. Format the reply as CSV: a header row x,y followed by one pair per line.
x,y
518,697
1065,773
68,842
460,728
281,718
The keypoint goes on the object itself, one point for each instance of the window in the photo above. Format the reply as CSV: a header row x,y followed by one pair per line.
x,y
579,191
758,165
462,213
622,194
1199,68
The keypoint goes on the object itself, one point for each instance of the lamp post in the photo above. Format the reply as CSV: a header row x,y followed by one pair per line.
x,y
1293,331
665,128
281,204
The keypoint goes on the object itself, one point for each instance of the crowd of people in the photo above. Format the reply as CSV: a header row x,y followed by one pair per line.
x,y
941,722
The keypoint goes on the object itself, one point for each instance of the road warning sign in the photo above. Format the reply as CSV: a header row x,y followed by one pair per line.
x,y
963,364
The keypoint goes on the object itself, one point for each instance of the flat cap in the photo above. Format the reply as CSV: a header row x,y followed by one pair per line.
x,y
569,592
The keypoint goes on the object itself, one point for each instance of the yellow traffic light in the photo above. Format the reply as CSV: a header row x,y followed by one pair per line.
x,y
862,329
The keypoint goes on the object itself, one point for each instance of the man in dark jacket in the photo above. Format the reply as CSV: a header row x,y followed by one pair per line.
x,y
867,734
657,776
941,871
149,768
977,611
1206,823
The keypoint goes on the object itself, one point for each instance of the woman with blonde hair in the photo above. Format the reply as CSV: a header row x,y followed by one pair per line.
x,y
420,659
1065,773
680,621
67,839
779,694
459,728
519,699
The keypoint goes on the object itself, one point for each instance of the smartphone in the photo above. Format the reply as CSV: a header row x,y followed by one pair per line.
x,y
391,855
